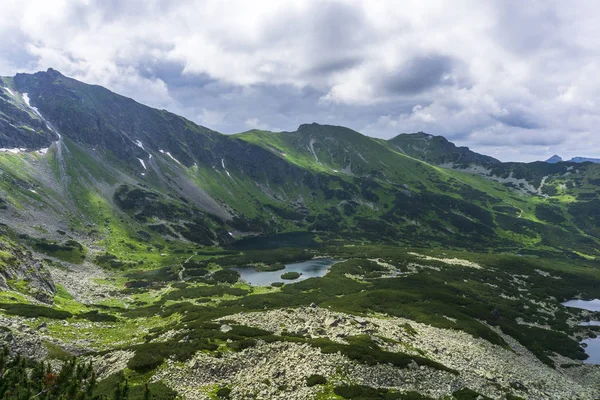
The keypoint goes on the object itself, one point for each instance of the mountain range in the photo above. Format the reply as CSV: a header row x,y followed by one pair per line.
x,y
169,177
94,181
555,159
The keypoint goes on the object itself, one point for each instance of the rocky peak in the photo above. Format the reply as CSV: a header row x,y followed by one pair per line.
x,y
554,159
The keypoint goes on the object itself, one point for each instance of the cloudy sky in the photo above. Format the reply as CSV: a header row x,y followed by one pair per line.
x,y
516,80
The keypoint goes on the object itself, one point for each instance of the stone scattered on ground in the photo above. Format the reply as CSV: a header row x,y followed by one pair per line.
x,y
484,367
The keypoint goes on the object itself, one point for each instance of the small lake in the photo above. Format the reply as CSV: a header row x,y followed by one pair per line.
x,y
592,348
590,305
307,269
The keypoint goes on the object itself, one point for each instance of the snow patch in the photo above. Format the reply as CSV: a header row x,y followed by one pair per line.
x,y
13,151
139,144
174,159
311,149
223,165
32,191
9,91
43,151
169,154
28,102
143,163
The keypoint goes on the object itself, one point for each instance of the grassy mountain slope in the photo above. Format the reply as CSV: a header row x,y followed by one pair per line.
x,y
115,154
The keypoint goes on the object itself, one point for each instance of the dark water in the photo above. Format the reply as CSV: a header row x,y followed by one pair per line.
x,y
307,269
592,346
290,239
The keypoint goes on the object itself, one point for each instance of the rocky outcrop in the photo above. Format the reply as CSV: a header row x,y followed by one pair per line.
x,y
34,342
19,270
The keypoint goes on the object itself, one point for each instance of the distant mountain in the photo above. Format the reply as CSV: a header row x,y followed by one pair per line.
x,y
554,159
438,150
585,159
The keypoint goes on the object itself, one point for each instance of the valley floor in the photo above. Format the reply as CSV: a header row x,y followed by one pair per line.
x,y
388,322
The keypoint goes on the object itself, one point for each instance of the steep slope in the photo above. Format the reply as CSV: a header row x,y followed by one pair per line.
x,y
21,125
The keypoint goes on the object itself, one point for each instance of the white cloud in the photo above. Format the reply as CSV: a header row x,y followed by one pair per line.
x,y
255,123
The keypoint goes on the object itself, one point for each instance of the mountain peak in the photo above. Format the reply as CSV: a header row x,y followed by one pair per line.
x,y
53,72
554,159
423,135
327,130
438,150
317,126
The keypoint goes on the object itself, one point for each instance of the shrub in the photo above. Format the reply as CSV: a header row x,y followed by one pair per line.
x,y
226,276
33,311
315,379
290,276
223,393
96,316
150,355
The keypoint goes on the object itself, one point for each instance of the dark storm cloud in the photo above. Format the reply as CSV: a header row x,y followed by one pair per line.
x,y
420,74
172,73
519,119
